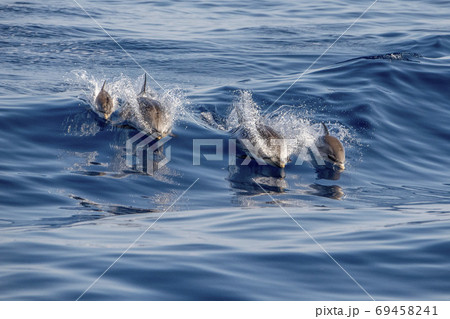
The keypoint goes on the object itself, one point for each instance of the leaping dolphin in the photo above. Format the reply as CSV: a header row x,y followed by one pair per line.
x,y
266,143
156,119
104,102
331,149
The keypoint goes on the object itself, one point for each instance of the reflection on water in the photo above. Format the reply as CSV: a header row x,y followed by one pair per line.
x,y
91,206
91,211
328,173
245,178
333,192
253,179
101,153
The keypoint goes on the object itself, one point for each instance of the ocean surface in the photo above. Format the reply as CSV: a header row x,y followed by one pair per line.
x,y
71,204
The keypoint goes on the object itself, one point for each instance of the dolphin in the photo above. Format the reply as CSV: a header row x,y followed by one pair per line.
x,y
104,102
331,149
267,143
156,119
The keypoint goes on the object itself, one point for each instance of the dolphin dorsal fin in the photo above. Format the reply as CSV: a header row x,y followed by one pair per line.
x,y
103,86
145,84
325,129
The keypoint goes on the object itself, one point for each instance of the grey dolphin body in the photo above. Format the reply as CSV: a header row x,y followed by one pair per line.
x,y
266,143
156,120
104,102
331,149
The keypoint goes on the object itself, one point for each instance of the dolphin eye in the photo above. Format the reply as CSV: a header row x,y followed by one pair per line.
x,y
332,157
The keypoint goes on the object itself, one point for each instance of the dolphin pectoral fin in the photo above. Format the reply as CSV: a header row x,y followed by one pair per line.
x,y
145,84
172,135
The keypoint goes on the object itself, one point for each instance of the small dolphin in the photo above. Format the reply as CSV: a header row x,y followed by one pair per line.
x,y
156,119
104,102
268,144
331,149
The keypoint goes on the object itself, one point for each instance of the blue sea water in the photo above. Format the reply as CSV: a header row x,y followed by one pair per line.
x,y
70,206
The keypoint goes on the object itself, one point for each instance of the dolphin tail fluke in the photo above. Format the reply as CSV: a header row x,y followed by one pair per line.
x,y
325,128
145,84
103,86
